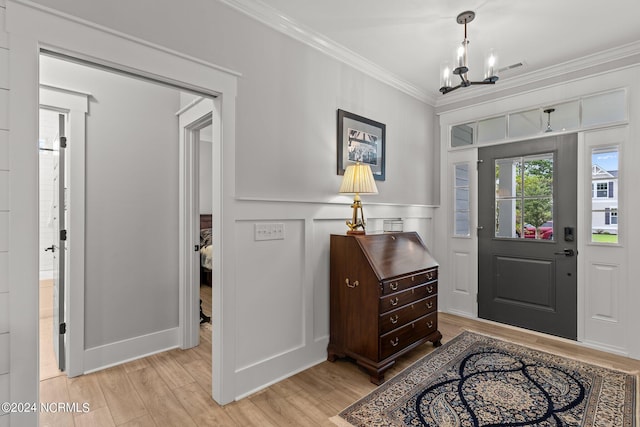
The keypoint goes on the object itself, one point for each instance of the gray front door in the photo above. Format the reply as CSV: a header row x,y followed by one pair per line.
x,y
527,221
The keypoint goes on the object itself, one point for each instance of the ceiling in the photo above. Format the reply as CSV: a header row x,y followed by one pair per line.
x,y
411,38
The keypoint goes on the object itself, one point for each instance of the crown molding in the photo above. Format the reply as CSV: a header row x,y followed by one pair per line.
x,y
271,17
596,61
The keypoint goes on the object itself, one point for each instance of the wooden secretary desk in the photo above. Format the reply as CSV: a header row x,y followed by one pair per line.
x,y
384,299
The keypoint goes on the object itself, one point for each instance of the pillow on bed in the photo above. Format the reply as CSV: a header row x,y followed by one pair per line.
x,y
205,237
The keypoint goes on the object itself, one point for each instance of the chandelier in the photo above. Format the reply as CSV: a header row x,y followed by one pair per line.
x,y
461,66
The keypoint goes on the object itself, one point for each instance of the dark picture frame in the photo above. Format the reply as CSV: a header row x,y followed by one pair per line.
x,y
361,140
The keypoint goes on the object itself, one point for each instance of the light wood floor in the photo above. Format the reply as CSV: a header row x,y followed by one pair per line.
x,y
173,388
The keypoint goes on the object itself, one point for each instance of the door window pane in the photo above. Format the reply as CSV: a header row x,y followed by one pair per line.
x,y
461,200
524,197
604,195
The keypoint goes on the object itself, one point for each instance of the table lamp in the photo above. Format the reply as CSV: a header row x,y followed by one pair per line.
x,y
358,179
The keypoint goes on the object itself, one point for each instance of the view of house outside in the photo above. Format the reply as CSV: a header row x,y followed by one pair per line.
x,y
604,195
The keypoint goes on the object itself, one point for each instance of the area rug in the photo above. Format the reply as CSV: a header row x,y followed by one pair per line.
x,y
476,380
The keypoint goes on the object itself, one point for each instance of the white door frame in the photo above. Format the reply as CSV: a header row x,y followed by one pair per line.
x,y
193,117
75,105
33,27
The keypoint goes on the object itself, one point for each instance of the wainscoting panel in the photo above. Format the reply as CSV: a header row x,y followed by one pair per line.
x,y
4,190
4,353
461,268
4,312
322,229
604,285
270,292
4,150
4,109
604,318
4,231
4,272
4,391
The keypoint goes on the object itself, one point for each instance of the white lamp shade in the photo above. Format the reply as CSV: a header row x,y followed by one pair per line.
x,y
358,179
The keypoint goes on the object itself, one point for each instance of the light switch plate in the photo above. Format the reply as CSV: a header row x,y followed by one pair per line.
x,y
269,231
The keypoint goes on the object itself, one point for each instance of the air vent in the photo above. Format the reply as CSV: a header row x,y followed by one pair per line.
x,y
511,67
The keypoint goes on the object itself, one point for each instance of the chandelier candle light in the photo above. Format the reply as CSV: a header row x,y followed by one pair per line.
x,y
462,67
358,179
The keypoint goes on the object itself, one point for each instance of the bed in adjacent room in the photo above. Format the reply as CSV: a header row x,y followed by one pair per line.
x,y
206,265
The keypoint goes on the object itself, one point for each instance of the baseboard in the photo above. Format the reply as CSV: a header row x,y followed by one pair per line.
x,y
105,356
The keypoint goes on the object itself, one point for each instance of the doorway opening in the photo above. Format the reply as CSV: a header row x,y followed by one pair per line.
x,y
124,290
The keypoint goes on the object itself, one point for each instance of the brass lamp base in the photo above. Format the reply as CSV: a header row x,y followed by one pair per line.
x,y
351,232
356,222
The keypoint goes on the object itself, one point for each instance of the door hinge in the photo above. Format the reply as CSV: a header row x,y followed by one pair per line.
x,y
63,234
196,248
63,142
63,328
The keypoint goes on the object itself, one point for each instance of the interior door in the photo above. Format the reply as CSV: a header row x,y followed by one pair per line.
x,y
527,221
58,215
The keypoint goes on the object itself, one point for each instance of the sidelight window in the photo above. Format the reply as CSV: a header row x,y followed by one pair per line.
x,y
604,195
461,200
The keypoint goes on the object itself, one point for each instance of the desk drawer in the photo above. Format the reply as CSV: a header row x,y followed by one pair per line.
x,y
397,285
396,340
397,300
409,312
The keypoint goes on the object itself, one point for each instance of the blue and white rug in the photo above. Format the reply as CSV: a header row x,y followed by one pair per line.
x,y
475,380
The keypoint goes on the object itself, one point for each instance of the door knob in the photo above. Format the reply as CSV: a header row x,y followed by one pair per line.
x,y
566,252
50,248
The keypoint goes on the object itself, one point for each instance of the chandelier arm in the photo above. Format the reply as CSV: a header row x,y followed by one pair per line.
x,y
484,82
445,90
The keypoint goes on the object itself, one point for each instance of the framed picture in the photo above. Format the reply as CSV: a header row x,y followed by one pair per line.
x,y
360,140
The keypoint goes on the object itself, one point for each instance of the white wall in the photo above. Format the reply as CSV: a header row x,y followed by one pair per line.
x,y
287,99
131,260
284,152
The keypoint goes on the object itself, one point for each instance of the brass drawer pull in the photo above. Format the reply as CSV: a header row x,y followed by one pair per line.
x,y
394,319
430,289
429,304
394,286
413,278
351,285
430,324
394,301
395,341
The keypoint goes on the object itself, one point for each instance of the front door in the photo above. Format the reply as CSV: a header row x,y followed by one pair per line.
x,y
59,249
527,221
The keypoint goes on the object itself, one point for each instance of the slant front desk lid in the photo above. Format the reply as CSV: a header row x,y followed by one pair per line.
x,y
395,254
